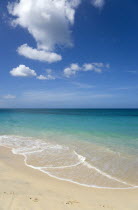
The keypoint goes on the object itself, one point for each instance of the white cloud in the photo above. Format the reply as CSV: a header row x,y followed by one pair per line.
x,y
98,3
42,77
48,21
36,54
48,77
22,71
9,96
71,70
74,68
88,67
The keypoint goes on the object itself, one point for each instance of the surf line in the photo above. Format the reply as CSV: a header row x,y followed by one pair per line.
x,y
75,182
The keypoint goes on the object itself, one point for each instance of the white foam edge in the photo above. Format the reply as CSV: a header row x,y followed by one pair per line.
x,y
31,152
70,180
107,175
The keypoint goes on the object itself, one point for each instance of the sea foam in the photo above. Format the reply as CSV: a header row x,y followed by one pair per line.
x,y
61,162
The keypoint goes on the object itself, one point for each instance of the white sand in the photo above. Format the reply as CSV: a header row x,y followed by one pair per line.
x,y
23,188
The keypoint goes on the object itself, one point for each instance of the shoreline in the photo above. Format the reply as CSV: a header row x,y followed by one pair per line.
x,y
22,187
71,181
82,160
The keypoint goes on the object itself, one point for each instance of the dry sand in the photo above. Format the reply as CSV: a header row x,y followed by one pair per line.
x,y
24,188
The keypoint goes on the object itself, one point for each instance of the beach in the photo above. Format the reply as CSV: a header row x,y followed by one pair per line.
x,y
93,148
68,159
68,105
24,188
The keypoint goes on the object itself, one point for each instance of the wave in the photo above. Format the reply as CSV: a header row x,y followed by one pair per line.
x,y
29,146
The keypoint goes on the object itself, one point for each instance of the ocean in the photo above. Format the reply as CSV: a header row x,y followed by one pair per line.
x,y
90,147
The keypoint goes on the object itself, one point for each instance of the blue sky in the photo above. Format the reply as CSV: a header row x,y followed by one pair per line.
x,y
71,54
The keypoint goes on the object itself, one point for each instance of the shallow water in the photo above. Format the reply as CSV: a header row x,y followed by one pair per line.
x,y
95,148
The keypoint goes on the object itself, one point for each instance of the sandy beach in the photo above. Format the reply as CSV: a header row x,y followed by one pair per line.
x,y
24,188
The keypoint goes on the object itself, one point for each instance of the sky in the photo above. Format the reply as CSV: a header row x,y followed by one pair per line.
x,y
68,54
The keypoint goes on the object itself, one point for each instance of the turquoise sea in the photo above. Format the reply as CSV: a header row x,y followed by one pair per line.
x,y
90,147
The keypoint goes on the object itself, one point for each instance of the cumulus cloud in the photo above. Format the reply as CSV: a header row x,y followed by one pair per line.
x,y
40,55
95,67
22,71
71,70
48,21
9,96
42,77
48,77
98,3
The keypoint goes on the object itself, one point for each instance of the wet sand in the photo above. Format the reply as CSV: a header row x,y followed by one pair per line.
x,y
24,188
